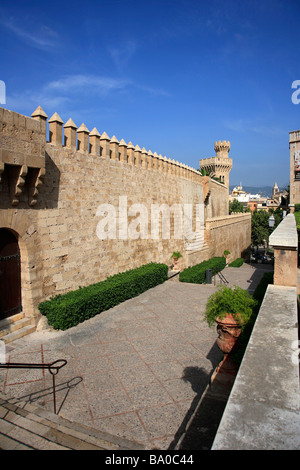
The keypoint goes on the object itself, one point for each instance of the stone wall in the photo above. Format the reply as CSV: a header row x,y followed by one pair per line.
x,y
217,203
232,233
55,215
294,144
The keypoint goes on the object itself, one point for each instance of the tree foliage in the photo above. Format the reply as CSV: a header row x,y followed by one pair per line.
x,y
235,206
259,227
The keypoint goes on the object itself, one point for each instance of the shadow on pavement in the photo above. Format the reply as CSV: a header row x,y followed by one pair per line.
x,y
44,395
199,426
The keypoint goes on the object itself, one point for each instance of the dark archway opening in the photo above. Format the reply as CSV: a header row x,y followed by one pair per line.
x,y
10,275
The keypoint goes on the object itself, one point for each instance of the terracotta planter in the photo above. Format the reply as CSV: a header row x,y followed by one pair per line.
x,y
228,330
175,264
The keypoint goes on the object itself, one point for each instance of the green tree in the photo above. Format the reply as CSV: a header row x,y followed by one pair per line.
x,y
278,213
259,227
235,206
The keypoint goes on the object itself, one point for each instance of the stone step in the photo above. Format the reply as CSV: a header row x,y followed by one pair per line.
x,y
25,426
10,320
26,330
15,327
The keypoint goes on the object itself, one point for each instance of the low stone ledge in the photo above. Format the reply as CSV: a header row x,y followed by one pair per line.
x,y
263,412
227,219
285,235
284,240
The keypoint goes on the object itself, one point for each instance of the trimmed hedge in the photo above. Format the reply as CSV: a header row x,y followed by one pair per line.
x,y
197,274
66,310
236,263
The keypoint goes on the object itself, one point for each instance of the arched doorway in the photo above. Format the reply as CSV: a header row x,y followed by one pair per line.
x,y
10,274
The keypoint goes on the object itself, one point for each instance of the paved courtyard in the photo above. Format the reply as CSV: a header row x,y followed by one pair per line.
x,y
136,371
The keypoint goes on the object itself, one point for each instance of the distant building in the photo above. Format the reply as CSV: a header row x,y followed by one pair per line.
x,y
256,201
275,191
252,205
279,196
238,190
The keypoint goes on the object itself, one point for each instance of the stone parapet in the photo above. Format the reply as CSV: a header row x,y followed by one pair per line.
x,y
262,412
211,161
294,136
113,149
285,235
284,240
23,140
22,152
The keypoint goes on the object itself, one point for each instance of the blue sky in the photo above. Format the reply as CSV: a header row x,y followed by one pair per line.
x,y
173,76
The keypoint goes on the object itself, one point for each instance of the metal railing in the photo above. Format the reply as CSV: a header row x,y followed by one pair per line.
x,y
221,276
52,367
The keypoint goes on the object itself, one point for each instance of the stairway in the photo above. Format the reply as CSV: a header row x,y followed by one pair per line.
x,y
28,427
15,327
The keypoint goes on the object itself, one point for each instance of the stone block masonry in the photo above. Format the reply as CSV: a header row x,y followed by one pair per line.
x,y
51,189
294,146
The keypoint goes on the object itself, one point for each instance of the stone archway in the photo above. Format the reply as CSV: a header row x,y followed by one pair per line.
x,y
20,226
10,275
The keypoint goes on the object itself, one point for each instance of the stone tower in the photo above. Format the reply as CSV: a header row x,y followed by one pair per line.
x,y
275,191
220,165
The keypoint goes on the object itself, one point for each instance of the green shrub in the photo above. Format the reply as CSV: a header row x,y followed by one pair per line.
x,y
297,207
297,217
67,310
237,263
236,301
197,274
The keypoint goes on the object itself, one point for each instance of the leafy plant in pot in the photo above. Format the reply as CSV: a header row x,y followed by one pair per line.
x,y
226,254
231,309
176,255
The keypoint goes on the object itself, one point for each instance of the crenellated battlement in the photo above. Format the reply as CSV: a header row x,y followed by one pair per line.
x,y
222,148
82,140
294,136
220,165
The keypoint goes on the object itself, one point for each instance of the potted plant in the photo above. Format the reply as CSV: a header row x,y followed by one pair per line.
x,y
231,309
226,254
176,255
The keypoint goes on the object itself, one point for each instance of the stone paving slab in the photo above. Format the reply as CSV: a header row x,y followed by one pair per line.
x,y
138,370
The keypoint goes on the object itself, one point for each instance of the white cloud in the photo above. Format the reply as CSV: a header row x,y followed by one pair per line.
x,y
98,85
88,83
42,38
72,90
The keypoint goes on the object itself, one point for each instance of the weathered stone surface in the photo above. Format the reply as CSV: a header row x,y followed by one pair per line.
x,y
62,250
